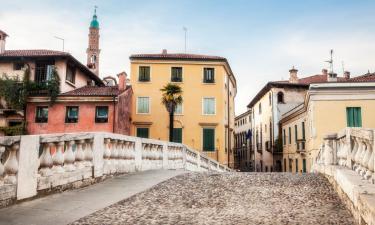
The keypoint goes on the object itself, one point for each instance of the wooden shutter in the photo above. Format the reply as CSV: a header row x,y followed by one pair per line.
x,y
209,139
142,132
177,135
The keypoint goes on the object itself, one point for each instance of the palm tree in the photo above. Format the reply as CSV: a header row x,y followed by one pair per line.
x,y
170,99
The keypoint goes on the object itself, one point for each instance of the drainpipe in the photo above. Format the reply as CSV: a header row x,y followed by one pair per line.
x,y
228,109
114,114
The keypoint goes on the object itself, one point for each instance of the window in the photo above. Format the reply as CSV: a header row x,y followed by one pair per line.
x,y
353,117
18,65
142,132
178,110
101,115
260,108
304,165
176,74
303,130
296,165
143,105
177,135
284,165
41,114
70,74
144,74
209,139
209,106
295,133
209,75
290,135
43,71
290,165
71,114
284,137
280,97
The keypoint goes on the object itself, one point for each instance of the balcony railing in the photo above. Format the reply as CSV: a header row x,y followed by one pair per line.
x,y
301,146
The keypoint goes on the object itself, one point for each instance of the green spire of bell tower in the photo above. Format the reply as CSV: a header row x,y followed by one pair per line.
x,y
94,22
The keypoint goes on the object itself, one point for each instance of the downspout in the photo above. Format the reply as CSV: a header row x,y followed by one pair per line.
x,y
114,114
228,110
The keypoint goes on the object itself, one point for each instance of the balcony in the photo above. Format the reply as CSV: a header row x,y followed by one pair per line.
x,y
301,146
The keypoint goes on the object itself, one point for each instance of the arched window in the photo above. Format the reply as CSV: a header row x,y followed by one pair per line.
x,y
280,97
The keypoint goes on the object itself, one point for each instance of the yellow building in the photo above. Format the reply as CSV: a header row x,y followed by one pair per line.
x,y
205,119
328,108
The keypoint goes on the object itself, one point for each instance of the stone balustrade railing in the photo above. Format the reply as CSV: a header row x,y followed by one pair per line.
x,y
33,163
352,148
347,160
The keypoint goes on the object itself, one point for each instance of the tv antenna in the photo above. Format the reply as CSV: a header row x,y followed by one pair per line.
x,y
330,61
63,42
185,30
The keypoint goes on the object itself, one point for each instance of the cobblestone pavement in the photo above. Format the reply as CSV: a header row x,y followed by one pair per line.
x,y
230,198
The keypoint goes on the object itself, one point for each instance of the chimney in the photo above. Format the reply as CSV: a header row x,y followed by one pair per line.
x,y
332,77
3,36
293,78
325,72
347,75
122,81
164,51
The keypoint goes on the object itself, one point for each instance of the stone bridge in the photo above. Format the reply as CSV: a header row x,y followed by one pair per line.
x,y
104,178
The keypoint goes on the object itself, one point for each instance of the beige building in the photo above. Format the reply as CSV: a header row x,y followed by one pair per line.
x,y
205,119
271,102
327,108
243,153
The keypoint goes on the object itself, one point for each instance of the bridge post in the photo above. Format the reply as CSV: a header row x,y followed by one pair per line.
x,y
138,154
199,161
98,151
165,155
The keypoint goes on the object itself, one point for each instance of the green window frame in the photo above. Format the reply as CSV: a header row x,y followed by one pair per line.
x,y
209,75
353,117
295,133
304,165
209,139
71,115
284,137
143,105
101,114
290,135
144,74
41,115
177,135
303,131
143,132
296,165
176,75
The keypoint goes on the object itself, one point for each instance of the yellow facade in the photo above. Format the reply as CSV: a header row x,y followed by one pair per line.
x,y
324,112
192,119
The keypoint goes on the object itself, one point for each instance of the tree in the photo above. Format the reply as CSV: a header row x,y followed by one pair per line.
x,y
171,97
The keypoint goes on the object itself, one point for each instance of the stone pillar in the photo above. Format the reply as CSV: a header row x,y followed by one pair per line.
x,y
138,154
184,157
165,156
330,151
97,154
28,166
198,161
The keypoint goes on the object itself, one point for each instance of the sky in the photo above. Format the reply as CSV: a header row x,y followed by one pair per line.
x,y
261,39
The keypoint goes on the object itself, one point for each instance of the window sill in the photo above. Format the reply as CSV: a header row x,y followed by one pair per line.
x,y
143,113
177,82
204,83
144,82
70,83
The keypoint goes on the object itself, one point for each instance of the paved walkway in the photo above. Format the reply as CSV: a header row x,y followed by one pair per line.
x,y
69,206
230,198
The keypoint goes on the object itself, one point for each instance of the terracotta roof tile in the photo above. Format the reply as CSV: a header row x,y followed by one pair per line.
x,y
177,56
33,52
369,77
94,91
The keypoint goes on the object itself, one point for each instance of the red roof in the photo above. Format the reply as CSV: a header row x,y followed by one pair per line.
x,y
181,56
369,77
94,91
33,52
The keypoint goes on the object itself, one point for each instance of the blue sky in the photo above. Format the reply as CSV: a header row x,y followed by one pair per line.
x,y
261,39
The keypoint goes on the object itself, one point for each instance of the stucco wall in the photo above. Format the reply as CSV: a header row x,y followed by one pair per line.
x,y
193,92
123,112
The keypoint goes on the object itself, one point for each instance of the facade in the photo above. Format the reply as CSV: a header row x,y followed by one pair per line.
x,y
205,119
271,102
305,126
86,109
243,150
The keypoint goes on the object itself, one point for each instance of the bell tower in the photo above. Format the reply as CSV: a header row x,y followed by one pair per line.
x,y
93,50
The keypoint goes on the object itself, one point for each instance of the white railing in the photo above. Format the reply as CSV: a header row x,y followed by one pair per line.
x,y
33,163
352,148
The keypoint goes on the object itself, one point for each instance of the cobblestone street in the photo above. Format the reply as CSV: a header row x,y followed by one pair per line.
x,y
230,198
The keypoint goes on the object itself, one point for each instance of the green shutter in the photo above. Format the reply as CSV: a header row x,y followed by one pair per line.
x,y
177,135
295,133
290,135
208,139
353,117
358,117
142,132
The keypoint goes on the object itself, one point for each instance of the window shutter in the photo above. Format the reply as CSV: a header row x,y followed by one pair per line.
x,y
177,135
209,139
359,117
